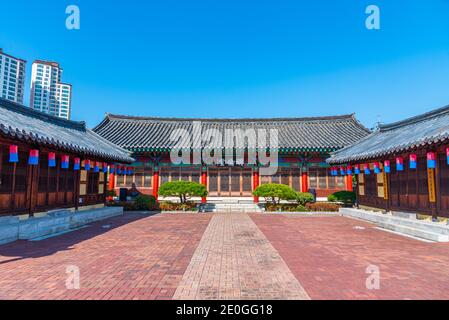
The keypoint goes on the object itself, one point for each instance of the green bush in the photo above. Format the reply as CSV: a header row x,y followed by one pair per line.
x,y
348,198
173,206
304,198
323,207
144,202
183,190
274,193
285,207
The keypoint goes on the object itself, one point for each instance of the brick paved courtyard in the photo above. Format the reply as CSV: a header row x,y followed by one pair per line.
x,y
225,256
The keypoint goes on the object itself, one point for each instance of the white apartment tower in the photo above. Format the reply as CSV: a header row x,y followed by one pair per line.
x,y
12,77
48,93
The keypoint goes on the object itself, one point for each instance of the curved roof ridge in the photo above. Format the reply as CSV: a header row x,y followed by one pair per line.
x,y
29,112
415,119
289,119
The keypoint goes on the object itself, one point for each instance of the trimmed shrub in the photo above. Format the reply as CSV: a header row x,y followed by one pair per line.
x,y
144,202
304,198
284,207
348,198
274,193
183,190
173,206
323,207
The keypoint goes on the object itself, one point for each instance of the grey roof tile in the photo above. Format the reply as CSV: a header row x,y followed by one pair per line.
x,y
328,133
416,132
18,121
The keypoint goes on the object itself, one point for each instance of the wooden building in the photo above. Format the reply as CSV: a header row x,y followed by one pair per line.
x,y
50,163
403,166
303,146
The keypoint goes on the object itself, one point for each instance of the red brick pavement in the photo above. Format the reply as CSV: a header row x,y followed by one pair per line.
x,y
136,258
329,257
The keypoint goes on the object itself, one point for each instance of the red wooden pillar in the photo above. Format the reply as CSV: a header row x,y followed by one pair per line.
x,y
305,181
349,186
111,183
156,183
256,183
204,182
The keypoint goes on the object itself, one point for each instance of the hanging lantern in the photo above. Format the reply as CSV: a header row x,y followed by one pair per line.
x,y
119,169
13,154
131,171
349,170
376,167
34,157
105,167
96,167
387,166
87,165
399,164
52,160
366,169
431,160
76,164
357,169
413,161
65,159
342,171
111,169
124,171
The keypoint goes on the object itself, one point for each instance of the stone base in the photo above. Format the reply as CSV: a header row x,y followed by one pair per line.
x,y
12,228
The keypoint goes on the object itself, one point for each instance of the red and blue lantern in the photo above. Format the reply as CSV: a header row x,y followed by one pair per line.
x,y
349,170
52,160
376,168
76,164
399,164
447,155
431,160
105,167
366,169
413,161
387,166
357,169
87,165
33,160
119,169
342,171
125,171
65,159
130,171
111,169
96,167
13,154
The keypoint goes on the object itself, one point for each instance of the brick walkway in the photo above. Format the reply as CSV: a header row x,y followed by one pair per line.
x,y
225,256
135,259
330,256
235,261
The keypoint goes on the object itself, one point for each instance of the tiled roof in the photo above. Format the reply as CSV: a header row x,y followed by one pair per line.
x,y
416,132
306,134
20,122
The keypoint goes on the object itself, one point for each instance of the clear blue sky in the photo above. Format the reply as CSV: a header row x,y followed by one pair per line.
x,y
235,58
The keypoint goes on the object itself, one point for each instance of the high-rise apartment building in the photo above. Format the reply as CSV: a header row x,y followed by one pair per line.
x,y
12,77
48,93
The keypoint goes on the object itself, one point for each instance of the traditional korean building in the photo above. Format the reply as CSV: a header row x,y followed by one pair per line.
x,y
402,166
304,144
51,163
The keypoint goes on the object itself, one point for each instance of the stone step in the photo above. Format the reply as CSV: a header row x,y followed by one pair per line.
x,y
422,229
419,233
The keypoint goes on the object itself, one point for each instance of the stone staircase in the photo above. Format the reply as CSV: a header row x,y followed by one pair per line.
x,y
230,206
432,231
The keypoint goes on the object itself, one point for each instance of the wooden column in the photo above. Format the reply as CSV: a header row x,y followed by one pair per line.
x,y
256,182
156,182
305,180
349,185
204,182
111,182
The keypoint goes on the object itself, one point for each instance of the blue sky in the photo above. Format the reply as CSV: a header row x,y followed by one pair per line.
x,y
230,58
